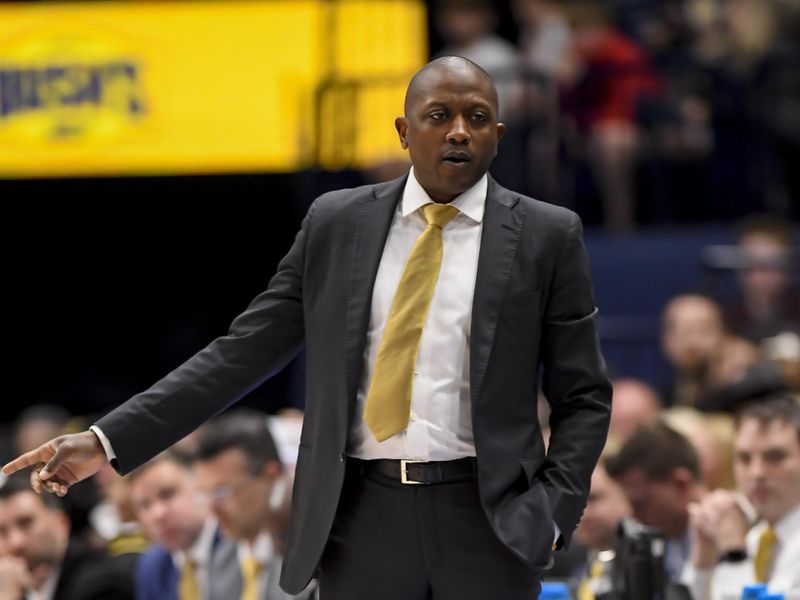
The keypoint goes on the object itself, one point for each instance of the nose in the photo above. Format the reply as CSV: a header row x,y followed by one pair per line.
x,y
158,511
459,132
16,541
756,468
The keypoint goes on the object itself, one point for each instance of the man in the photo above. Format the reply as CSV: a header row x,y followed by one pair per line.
x,y
705,357
605,509
597,531
727,552
513,294
770,301
660,473
239,470
190,560
37,559
635,404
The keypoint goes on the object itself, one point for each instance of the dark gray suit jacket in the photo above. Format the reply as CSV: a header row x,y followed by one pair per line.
x,y
533,309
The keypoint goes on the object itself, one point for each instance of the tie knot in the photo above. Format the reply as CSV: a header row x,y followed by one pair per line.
x,y
596,569
250,567
768,536
439,214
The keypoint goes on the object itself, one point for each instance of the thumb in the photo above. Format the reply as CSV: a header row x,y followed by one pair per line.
x,y
63,453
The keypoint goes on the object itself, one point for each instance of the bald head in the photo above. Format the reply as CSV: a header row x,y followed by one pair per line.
x,y
444,67
450,127
635,404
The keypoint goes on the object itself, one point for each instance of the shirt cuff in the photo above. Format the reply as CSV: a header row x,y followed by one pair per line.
x,y
556,533
110,454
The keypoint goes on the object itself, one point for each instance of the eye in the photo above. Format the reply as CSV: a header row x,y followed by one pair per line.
x,y
167,494
774,457
437,115
480,117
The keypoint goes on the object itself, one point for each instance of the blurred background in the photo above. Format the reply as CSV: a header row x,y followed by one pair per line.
x,y
156,159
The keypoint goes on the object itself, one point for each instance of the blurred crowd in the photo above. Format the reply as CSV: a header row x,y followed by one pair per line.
x,y
206,519
642,111
712,460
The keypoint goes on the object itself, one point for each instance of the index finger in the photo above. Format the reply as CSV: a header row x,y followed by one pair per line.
x,y
26,460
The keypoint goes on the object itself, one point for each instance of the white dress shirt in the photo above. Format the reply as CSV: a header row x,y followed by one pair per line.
x,y
48,587
727,579
263,550
440,427
200,553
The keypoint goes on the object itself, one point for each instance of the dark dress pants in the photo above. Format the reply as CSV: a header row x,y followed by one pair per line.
x,y
392,541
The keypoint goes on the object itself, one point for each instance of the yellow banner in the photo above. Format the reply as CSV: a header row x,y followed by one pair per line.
x,y
170,87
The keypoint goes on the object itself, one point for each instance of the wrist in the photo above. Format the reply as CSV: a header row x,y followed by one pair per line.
x,y
733,555
731,545
704,556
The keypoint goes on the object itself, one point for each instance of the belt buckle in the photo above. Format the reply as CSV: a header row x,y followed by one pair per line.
x,y
404,475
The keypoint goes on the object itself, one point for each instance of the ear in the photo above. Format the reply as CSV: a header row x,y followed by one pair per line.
x,y
62,523
401,125
501,129
271,470
682,479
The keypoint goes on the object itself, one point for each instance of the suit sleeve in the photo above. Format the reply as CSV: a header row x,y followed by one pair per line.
x,y
260,342
575,384
143,581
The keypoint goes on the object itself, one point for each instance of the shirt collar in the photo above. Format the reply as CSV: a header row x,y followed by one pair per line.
x,y
200,551
470,203
262,548
789,526
48,588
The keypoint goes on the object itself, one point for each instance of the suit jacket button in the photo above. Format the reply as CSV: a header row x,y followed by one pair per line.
x,y
341,458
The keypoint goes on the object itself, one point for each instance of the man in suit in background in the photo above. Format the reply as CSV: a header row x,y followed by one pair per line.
x,y
37,558
659,471
238,469
428,306
189,560
730,549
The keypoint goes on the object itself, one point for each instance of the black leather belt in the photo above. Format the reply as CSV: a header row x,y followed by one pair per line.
x,y
417,472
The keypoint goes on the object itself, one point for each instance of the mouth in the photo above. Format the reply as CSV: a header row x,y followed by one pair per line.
x,y
457,158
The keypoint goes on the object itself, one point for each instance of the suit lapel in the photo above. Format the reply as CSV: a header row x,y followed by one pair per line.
x,y
374,217
502,226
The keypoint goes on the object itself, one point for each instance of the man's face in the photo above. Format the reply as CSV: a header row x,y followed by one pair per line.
x,y
767,466
766,278
168,506
239,499
34,533
660,504
606,507
634,405
450,129
692,333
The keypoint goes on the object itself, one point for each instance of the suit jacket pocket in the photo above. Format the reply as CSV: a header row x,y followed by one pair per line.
x,y
530,466
533,509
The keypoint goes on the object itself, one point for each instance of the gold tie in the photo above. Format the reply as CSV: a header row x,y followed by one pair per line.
x,y
585,591
389,397
763,560
250,570
187,587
